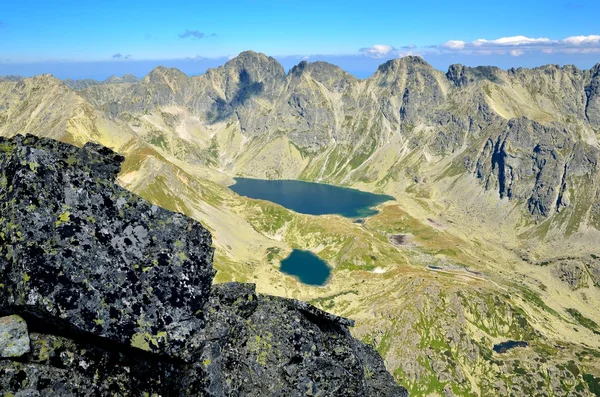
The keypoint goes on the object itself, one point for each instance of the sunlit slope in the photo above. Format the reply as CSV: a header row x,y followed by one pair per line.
x,y
435,328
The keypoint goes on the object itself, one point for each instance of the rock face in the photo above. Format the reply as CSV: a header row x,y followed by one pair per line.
x,y
117,296
80,250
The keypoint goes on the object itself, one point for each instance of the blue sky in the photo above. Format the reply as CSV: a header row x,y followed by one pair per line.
x,y
99,38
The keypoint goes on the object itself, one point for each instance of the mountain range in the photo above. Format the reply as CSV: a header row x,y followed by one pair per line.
x,y
495,174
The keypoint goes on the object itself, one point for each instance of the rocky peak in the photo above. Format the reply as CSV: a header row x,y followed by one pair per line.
x,y
398,73
258,66
463,75
161,75
410,61
298,69
113,80
128,78
331,76
106,294
46,80
81,84
11,78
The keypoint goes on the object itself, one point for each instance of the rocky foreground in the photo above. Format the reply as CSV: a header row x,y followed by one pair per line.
x,y
103,293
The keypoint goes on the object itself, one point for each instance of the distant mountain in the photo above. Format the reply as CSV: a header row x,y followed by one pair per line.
x,y
128,78
11,78
497,186
79,85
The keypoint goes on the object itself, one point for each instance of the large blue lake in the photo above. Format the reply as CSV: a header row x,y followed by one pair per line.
x,y
311,198
307,267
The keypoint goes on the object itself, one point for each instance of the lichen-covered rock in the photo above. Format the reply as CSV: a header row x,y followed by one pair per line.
x,y
269,346
117,296
14,338
58,366
78,250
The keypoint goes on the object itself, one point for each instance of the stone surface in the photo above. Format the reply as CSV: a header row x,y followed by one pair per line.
x,y
85,254
573,273
118,297
269,346
14,338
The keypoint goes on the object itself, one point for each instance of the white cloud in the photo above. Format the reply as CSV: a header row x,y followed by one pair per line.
x,y
511,45
454,45
511,41
519,45
583,40
403,54
378,50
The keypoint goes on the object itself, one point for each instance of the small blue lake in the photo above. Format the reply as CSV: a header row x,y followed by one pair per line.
x,y
307,267
510,344
311,198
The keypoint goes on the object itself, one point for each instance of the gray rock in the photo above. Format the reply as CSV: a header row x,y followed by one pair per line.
x,y
80,252
79,85
14,338
573,273
269,346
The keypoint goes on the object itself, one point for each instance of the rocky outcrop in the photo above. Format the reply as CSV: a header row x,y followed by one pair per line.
x,y
463,75
592,97
115,296
576,271
80,251
573,273
127,78
535,163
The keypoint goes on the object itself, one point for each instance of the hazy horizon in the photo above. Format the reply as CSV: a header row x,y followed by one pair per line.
x,y
360,67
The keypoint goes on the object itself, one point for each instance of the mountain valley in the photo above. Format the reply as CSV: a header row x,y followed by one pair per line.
x,y
493,236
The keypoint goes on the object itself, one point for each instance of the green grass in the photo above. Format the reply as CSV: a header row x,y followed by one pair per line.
x,y
534,298
583,321
593,383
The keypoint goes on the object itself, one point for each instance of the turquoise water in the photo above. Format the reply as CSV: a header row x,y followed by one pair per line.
x,y
311,198
307,267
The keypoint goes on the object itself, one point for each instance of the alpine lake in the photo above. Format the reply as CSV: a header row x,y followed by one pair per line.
x,y
313,199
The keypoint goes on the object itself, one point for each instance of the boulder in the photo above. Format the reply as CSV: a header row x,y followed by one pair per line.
x,y
14,338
